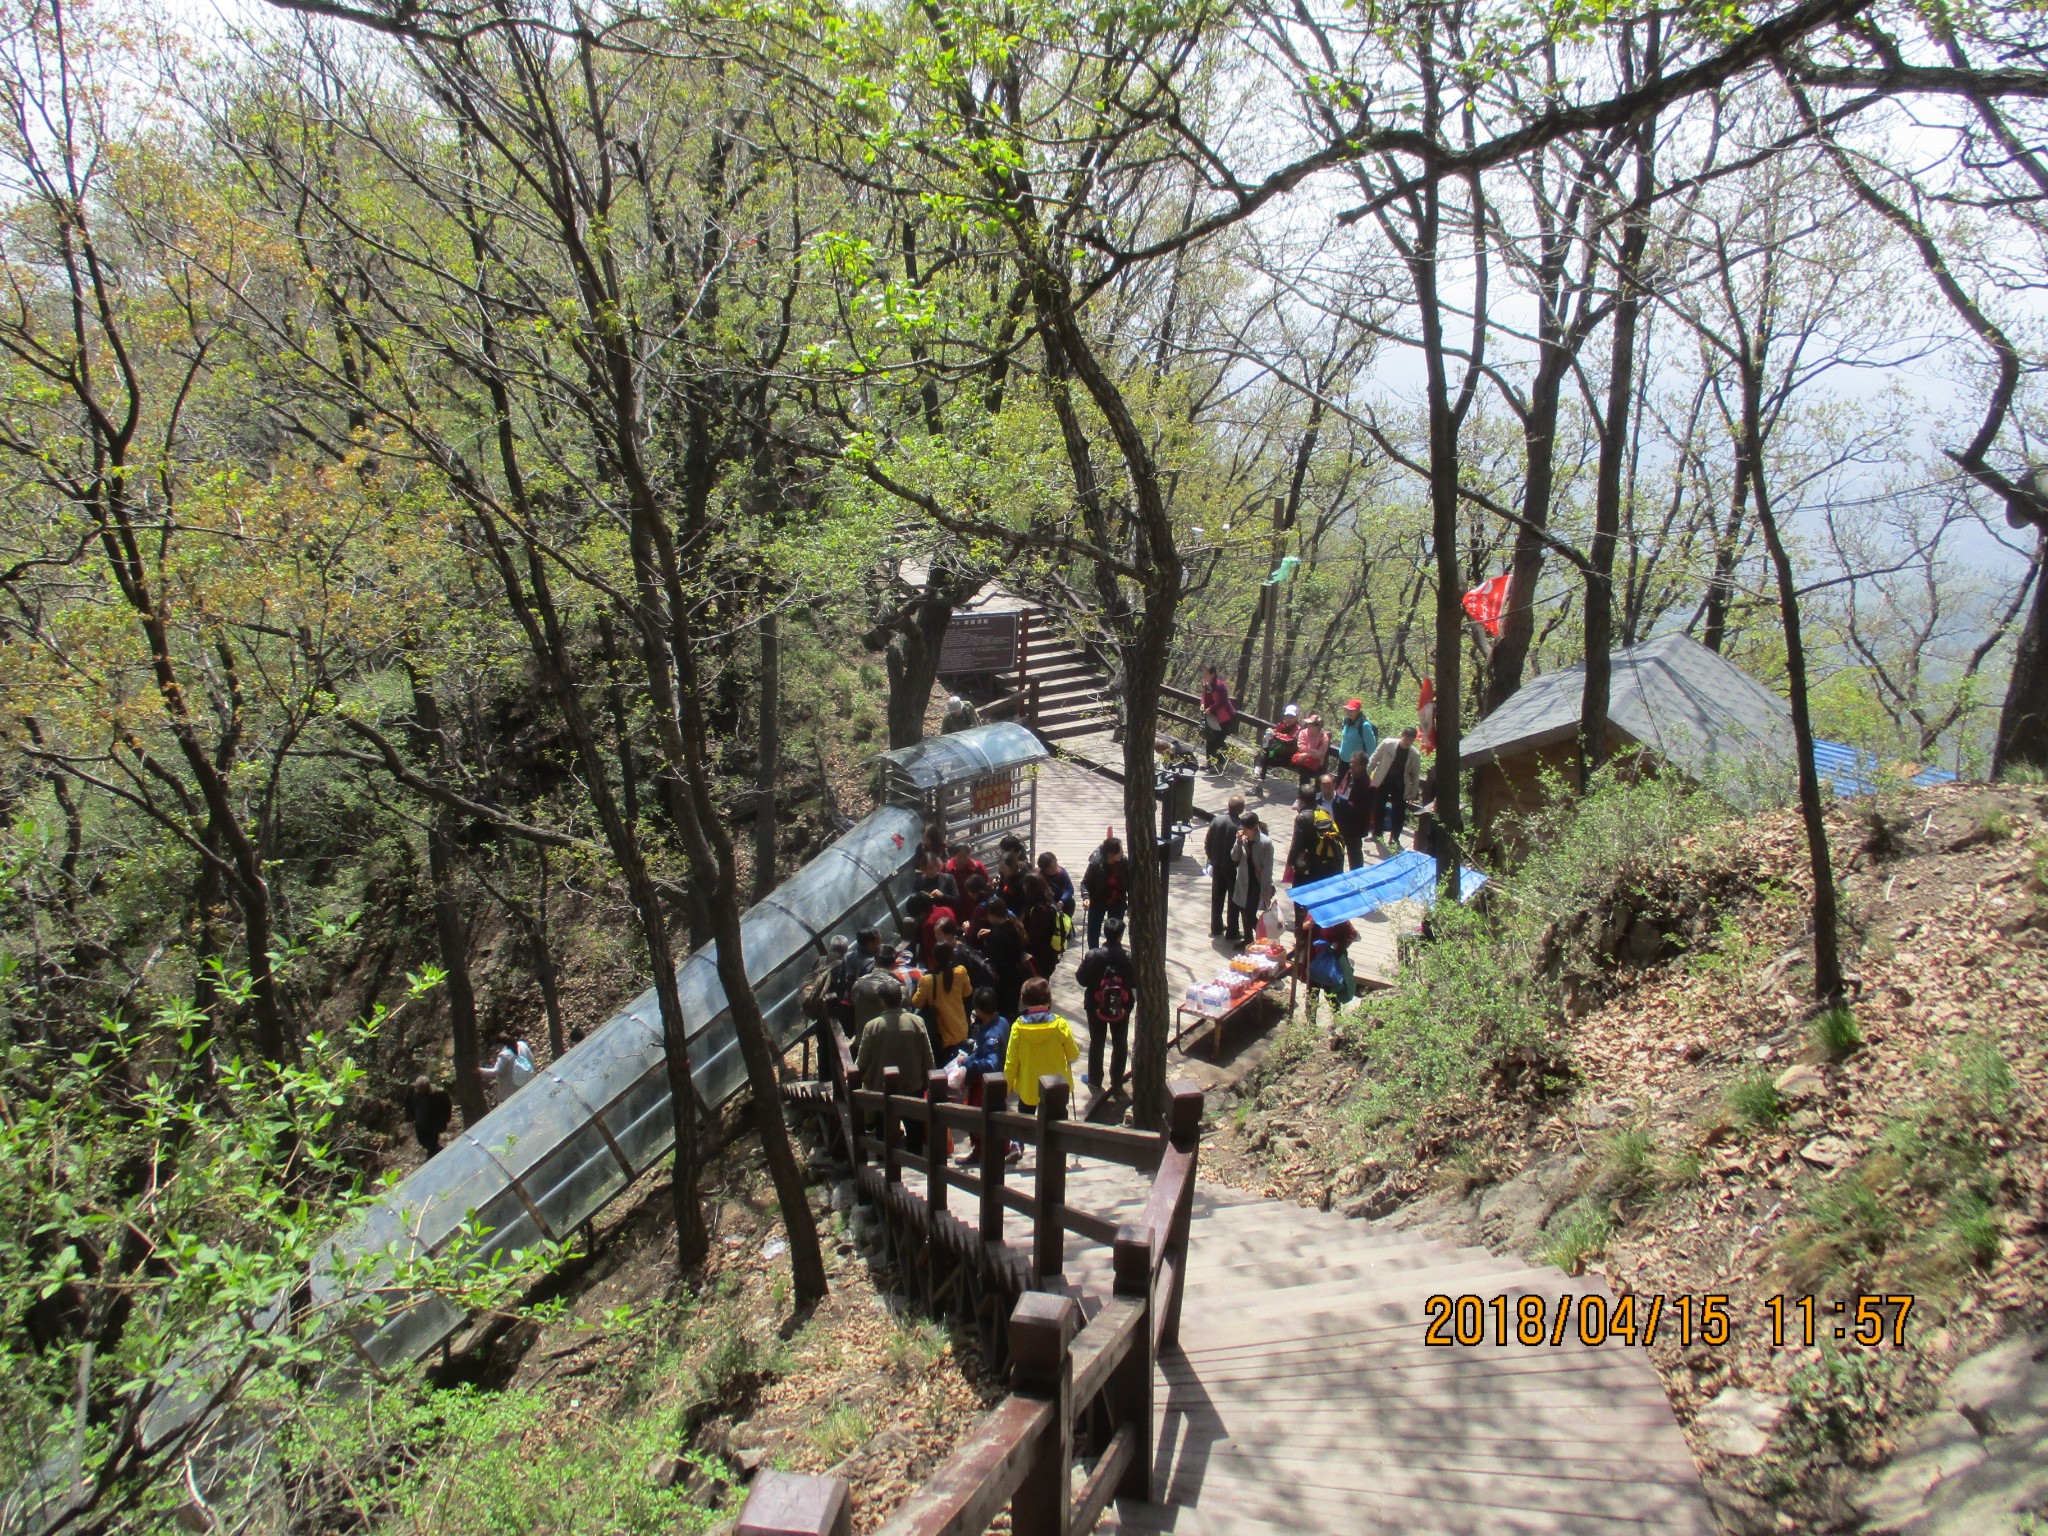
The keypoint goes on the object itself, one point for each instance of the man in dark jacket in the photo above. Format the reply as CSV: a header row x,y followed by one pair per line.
x,y
1105,886
1348,810
1109,994
1216,846
432,1109
1317,851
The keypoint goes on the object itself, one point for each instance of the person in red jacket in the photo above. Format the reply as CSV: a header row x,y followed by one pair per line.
x,y
964,866
1219,714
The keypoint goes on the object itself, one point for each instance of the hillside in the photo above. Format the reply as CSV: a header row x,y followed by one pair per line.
x,y
1681,1125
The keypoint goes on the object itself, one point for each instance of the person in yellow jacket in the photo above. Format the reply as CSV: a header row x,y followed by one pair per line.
x,y
1041,1044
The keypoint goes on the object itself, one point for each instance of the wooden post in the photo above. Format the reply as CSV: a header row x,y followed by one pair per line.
x,y
788,1504
995,1146
1129,1392
935,1092
1042,1330
892,1135
857,1154
1048,1253
1184,1134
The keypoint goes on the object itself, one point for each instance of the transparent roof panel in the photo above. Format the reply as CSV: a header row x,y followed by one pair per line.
x,y
545,1137
964,755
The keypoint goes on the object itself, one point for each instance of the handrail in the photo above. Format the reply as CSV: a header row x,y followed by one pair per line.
x,y
1181,695
1071,1388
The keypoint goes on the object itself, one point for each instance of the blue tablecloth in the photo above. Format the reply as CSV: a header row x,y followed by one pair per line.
x,y
1407,876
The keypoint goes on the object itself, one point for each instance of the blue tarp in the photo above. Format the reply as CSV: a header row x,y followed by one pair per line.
x,y
1406,876
1856,772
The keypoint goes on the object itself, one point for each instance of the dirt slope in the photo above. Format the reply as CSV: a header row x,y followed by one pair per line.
x,y
1694,1133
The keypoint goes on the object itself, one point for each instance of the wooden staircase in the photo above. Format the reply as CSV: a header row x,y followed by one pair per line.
x,y
1303,1397
1070,691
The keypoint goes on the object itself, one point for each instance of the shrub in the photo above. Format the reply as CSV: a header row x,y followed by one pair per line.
x,y
840,1433
1626,1162
1462,1006
1979,1080
1973,1227
1754,1100
1578,1237
1836,1033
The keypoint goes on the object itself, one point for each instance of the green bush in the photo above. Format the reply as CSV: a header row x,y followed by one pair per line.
x,y
468,1462
1579,1236
1979,1080
1754,1099
1836,1033
1463,1003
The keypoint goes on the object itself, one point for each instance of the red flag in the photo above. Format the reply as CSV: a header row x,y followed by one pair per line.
x,y
1485,601
1425,716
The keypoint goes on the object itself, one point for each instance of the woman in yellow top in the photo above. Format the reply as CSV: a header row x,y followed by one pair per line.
x,y
945,989
1041,1044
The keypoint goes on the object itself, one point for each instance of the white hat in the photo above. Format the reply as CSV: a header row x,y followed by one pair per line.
x,y
953,700
1292,709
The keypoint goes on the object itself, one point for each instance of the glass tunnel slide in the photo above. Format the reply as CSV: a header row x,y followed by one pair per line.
x,y
597,1118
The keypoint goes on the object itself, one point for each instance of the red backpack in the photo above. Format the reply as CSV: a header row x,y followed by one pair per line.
x,y
1110,998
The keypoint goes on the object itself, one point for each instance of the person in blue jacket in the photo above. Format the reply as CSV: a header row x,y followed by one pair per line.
x,y
988,1040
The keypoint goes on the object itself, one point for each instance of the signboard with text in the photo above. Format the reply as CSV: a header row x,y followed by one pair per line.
x,y
979,642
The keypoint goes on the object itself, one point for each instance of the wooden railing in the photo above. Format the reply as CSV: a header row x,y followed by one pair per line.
x,y
1075,1392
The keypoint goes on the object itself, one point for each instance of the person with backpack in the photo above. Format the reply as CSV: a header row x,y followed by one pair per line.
x,y
1057,881
1317,849
1042,919
1108,993
1277,750
1041,1044
979,970
1218,844
1348,811
942,993
1105,886
896,1039
1219,714
1356,740
1252,882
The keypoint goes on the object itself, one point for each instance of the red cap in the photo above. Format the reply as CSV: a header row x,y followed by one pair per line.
x,y
1357,704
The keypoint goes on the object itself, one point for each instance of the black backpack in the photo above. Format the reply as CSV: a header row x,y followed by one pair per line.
x,y
1110,998
979,972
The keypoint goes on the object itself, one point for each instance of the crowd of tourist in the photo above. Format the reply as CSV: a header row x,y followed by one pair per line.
x,y
965,986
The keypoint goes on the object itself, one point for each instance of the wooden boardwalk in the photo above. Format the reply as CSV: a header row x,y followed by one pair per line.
x,y
1303,1397
1075,807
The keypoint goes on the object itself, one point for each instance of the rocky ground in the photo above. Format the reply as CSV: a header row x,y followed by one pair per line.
x,y
1694,1132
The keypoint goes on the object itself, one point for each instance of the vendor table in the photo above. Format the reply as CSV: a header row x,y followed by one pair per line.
x,y
1186,1018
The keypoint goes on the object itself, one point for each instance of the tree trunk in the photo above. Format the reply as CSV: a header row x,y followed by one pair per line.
x,y
910,640
771,755
1443,505
451,933
1594,698
1518,615
451,926
1827,958
2023,721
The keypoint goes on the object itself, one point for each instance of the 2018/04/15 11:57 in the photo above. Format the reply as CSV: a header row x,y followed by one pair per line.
x,y
1464,1320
